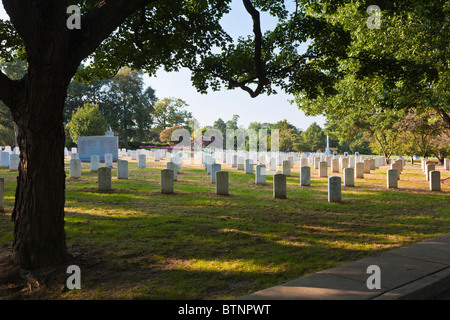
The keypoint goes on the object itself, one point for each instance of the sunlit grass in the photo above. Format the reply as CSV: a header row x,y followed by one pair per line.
x,y
197,245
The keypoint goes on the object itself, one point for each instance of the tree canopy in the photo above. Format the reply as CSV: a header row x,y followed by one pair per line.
x,y
170,112
87,121
401,65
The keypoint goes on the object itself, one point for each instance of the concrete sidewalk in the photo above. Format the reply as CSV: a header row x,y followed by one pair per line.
x,y
417,272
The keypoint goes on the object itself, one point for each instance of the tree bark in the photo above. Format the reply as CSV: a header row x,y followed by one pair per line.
x,y
39,235
16,134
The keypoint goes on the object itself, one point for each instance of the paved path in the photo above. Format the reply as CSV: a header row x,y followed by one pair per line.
x,y
417,272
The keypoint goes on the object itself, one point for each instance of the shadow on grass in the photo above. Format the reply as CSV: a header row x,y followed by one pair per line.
x,y
135,242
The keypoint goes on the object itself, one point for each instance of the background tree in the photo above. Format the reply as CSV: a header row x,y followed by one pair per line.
x,y
220,125
87,121
289,136
314,138
169,112
166,135
440,146
233,123
405,60
419,131
123,100
127,105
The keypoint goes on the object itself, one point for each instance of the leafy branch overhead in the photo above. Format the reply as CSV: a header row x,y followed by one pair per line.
x,y
147,35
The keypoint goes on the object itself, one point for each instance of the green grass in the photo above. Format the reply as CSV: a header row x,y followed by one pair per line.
x,y
197,245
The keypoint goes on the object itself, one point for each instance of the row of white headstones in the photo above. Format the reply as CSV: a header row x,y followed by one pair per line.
x,y
353,167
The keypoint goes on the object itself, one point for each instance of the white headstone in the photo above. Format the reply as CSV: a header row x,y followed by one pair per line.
x,y
248,166
334,189
142,160
286,168
4,159
323,169
349,177
122,169
260,177
216,167
435,180
108,160
95,163
172,166
14,160
222,183
305,176
75,168
392,178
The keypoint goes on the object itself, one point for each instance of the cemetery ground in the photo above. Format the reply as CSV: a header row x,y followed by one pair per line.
x,y
135,243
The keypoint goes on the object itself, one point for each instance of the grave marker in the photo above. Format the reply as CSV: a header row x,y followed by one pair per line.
x,y
334,189
279,186
248,166
359,170
75,168
109,160
435,180
222,183
286,168
260,177
122,169
392,179
167,181
95,163
349,177
142,160
14,160
104,179
305,176
215,167
323,169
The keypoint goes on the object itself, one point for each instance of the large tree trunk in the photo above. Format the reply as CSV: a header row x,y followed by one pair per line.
x,y
39,235
53,53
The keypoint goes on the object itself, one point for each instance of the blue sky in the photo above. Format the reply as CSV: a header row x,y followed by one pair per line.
x,y
224,104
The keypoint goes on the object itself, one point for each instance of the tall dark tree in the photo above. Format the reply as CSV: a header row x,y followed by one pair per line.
x,y
141,34
220,125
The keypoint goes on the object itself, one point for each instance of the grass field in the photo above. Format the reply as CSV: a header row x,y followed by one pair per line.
x,y
136,243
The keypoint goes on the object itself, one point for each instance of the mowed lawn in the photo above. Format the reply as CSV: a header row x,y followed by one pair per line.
x,y
136,243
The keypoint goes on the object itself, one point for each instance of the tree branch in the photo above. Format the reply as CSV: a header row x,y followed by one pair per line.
x,y
443,115
100,22
8,89
259,63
